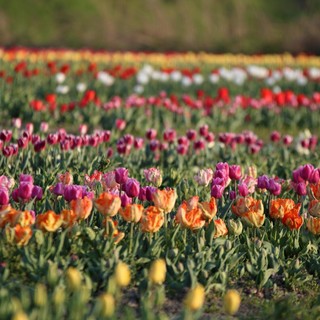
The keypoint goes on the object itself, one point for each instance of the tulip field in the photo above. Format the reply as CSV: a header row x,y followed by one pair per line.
x,y
159,186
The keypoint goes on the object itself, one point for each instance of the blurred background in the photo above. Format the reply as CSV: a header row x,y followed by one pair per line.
x,y
237,26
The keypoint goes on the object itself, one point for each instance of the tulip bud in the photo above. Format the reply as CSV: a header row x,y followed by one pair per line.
x,y
157,272
105,305
25,191
306,172
58,296
235,172
274,187
301,189
235,227
243,190
232,302
122,275
40,295
121,175
73,278
20,315
275,136
4,196
37,193
217,191
195,298
132,187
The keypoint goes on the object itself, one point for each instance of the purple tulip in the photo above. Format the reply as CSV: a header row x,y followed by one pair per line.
x,y
121,175
142,194
234,172
37,193
15,195
243,190
132,187
4,196
218,181
223,166
263,182
315,176
301,189
26,178
149,192
125,200
274,187
306,171
25,190
58,189
72,192
232,195
217,191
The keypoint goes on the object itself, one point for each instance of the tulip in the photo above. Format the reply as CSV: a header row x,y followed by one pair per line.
x,y
243,190
292,220
314,208
121,175
108,204
189,215
72,192
232,302
142,194
25,191
122,275
157,271
26,178
153,175
301,189
274,187
4,196
217,191
37,193
74,279
151,134
204,177
235,172
275,136
195,298
106,305
235,227
306,172
263,182
165,199
313,225
152,219
132,187
81,207
220,228
280,207
125,200
49,221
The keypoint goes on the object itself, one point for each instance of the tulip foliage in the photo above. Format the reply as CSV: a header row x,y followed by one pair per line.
x,y
147,190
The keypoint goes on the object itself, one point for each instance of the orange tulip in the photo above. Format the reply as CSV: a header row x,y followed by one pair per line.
x,y
132,212
65,178
209,209
165,199
292,220
108,204
152,219
69,218
21,235
220,228
250,210
279,207
82,207
23,218
313,225
189,215
7,214
49,221
314,191
314,208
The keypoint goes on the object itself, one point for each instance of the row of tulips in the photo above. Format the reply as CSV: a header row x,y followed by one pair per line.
x,y
122,194
146,73
192,140
138,58
204,103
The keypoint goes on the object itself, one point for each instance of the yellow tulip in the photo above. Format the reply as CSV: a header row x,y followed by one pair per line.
x,y
195,298
232,301
157,272
122,275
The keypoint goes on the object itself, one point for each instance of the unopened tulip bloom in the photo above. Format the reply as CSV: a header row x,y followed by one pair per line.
x,y
235,227
217,191
106,305
25,191
4,196
122,274
74,278
220,228
235,172
121,175
157,271
232,302
195,298
132,187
